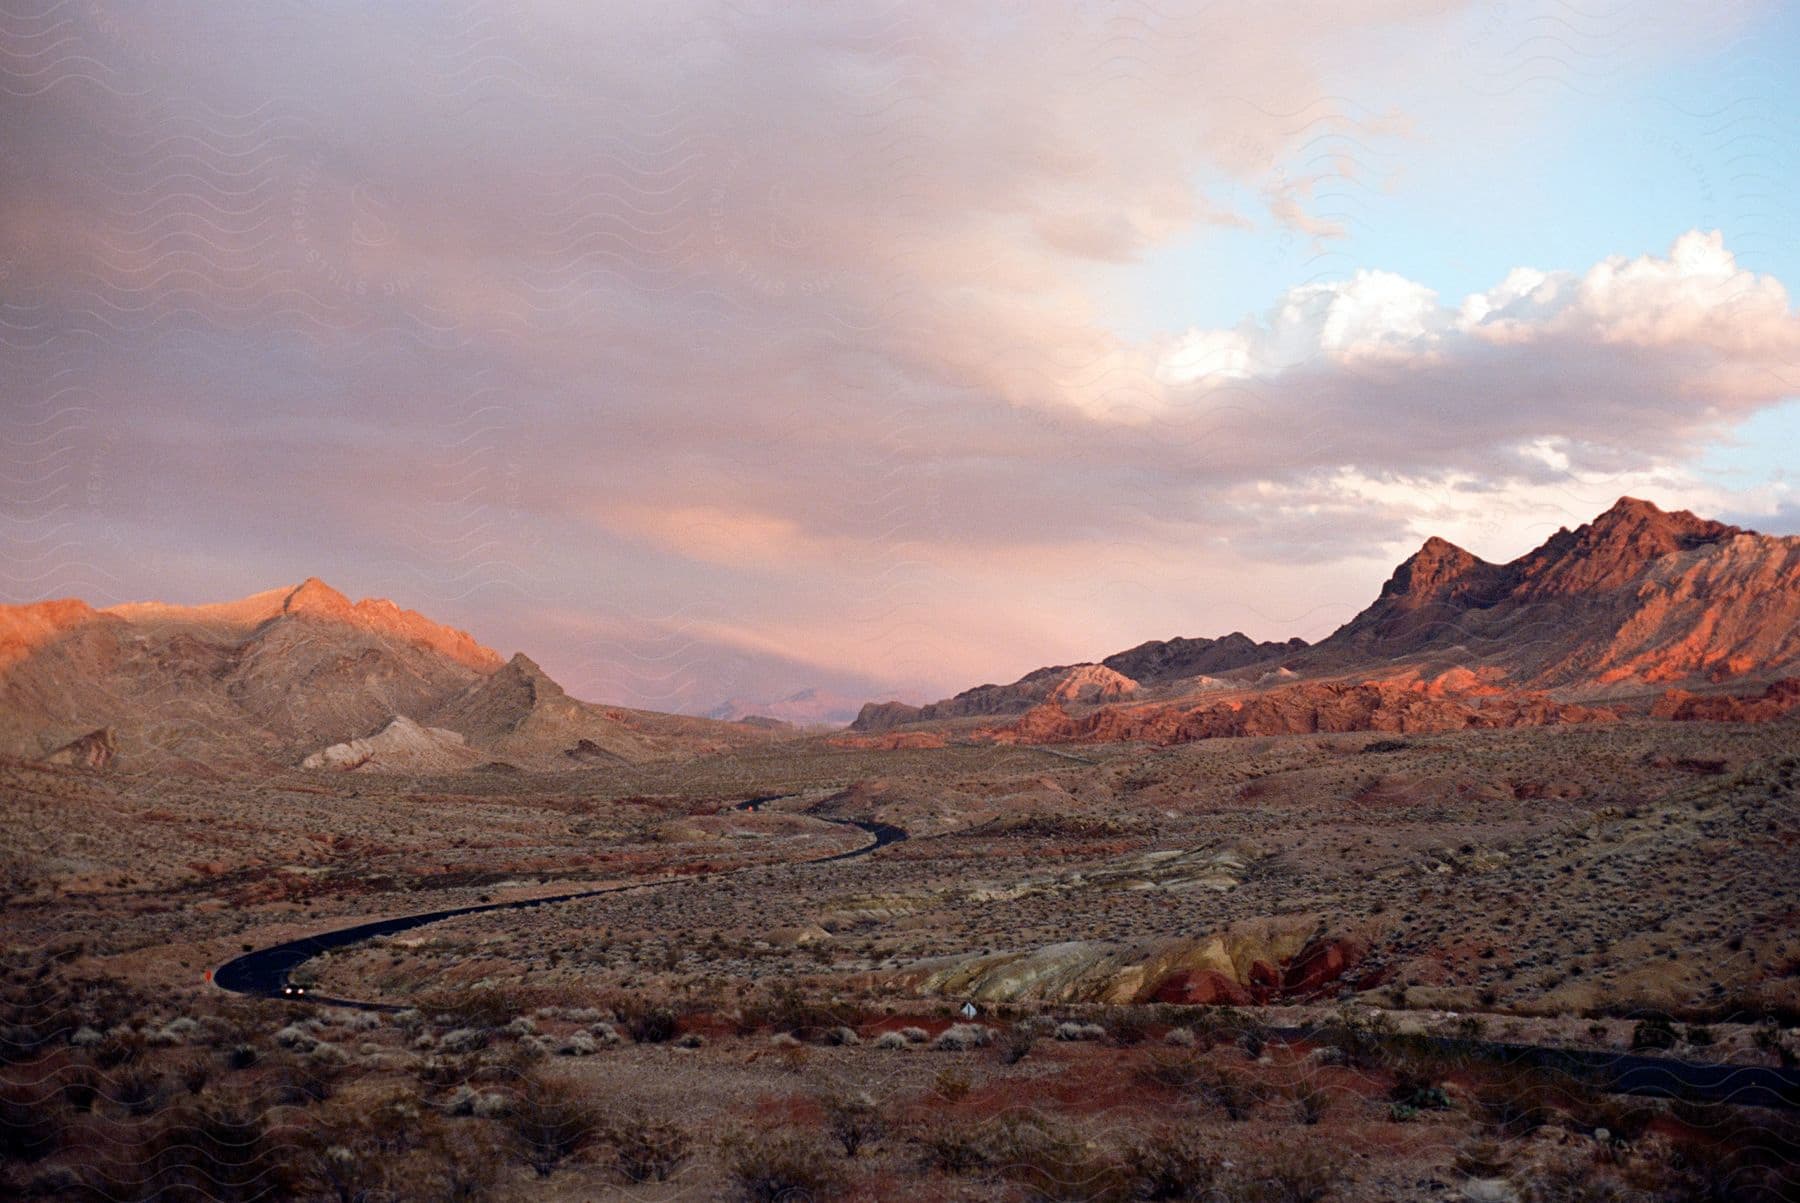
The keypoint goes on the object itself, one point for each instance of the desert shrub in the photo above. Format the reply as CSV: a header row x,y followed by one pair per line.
x,y
1517,1100
913,1035
1234,1094
241,1056
952,1148
951,1083
1622,1116
484,1007
854,1122
1569,1180
31,1125
842,1037
1361,1040
295,1037
1017,1044
1745,1155
1070,1030
137,1090
1044,1155
459,1164
120,1047
892,1040
347,1173
1483,1159
1416,1086
551,1123
1126,1025
786,1008
217,1148
464,1040
780,1167
1310,1104
651,1024
1171,1164
300,1083
191,1073
1291,1173
1180,1038
645,1149
1052,1160
390,1147
1178,1072
1654,1032
962,1037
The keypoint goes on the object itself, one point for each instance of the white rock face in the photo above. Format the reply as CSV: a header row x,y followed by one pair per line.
x,y
401,746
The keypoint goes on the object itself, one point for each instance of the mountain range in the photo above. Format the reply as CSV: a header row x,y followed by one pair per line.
x,y
296,673
1596,622
1639,611
810,707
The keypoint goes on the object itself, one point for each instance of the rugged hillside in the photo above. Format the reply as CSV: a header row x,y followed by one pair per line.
x,y
520,714
1161,660
1635,596
1166,665
278,676
1078,683
1634,600
402,746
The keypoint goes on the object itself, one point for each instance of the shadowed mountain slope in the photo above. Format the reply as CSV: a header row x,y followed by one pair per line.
x,y
276,677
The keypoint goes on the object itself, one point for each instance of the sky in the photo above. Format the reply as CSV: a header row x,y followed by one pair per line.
x,y
718,350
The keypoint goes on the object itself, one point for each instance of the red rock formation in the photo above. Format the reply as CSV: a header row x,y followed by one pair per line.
x,y
1318,969
1637,595
1681,706
1201,988
23,629
1085,684
1301,709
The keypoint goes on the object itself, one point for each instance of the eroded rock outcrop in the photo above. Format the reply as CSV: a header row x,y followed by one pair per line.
x,y
1681,706
402,746
1287,959
95,750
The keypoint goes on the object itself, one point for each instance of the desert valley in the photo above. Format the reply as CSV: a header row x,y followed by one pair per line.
x,y
1489,895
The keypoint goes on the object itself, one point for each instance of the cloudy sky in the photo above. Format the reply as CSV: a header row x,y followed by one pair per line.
x,y
718,349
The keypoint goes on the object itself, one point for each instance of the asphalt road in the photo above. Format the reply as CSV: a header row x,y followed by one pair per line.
x,y
266,972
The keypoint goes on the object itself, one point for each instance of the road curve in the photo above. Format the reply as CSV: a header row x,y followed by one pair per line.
x,y
265,972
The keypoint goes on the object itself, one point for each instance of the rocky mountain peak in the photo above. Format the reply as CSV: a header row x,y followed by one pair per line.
x,y
523,670
314,596
1615,547
1423,575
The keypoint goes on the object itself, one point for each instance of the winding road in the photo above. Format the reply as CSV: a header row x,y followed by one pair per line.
x,y
266,972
